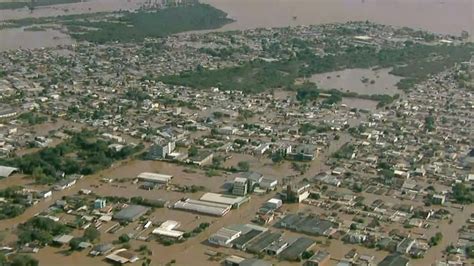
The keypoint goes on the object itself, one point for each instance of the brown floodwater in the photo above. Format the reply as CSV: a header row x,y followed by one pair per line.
x,y
18,38
443,16
83,7
361,81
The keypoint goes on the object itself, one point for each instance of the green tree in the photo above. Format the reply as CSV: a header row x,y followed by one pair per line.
x,y
124,238
91,234
74,243
193,151
243,166
24,260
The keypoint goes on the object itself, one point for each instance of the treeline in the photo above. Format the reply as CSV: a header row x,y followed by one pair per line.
x,y
414,62
40,231
84,153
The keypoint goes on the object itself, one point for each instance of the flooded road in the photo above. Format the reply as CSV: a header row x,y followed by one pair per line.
x,y
440,16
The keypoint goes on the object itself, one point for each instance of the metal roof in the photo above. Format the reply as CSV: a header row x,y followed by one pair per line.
x,y
131,212
6,171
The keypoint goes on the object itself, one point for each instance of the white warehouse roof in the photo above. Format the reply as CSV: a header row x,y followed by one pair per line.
x,y
152,177
6,171
222,199
204,207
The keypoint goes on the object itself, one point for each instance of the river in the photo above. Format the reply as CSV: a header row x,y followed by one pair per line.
x,y
441,16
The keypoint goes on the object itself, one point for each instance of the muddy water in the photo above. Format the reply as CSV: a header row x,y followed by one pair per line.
x,y
368,105
441,16
90,6
18,38
351,80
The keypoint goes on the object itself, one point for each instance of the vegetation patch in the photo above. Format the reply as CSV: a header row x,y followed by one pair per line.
x,y
414,62
84,153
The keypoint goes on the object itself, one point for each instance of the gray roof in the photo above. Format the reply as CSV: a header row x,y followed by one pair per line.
x,y
103,248
255,262
6,171
131,213
244,238
319,256
258,244
294,251
307,224
394,260
253,176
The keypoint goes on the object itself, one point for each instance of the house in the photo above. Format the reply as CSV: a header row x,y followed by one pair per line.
x,y
253,179
44,194
122,256
100,203
160,149
394,260
405,245
302,152
295,193
268,183
262,148
63,239
227,130
240,186
438,199
239,261
320,258
201,159
355,237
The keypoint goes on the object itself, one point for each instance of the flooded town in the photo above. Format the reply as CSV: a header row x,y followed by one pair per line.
x,y
183,132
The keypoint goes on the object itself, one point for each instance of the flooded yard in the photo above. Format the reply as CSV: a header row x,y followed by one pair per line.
x,y
361,81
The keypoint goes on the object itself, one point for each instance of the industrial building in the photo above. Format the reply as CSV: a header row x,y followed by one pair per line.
x,y
154,178
224,237
260,243
308,224
294,251
167,229
131,213
204,207
237,235
233,201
